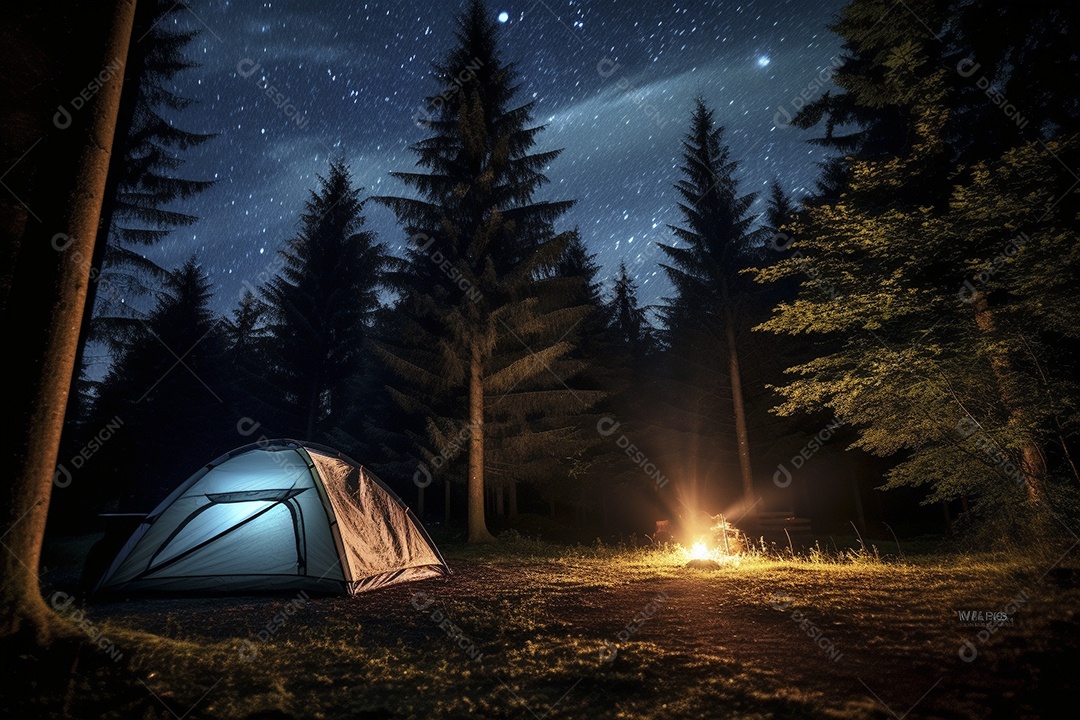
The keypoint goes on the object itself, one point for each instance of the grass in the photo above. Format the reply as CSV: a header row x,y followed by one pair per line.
x,y
524,629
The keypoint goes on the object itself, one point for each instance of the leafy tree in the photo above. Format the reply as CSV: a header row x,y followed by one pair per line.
x,y
1006,60
702,320
1011,61
321,307
952,376
480,334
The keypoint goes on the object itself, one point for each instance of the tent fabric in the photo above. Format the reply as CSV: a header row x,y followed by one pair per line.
x,y
276,516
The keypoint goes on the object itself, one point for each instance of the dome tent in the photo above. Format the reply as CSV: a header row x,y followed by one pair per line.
x,y
278,515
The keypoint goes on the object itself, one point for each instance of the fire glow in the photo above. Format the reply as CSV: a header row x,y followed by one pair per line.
x,y
700,551
723,542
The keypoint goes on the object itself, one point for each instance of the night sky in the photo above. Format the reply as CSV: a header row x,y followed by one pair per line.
x,y
613,81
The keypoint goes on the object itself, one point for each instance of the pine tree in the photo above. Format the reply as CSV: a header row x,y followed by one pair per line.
x,y
628,319
247,327
480,335
321,308
143,178
702,320
142,188
558,454
781,210
168,391
249,361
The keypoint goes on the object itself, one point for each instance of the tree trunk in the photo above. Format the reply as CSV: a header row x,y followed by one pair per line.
x,y
124,119
478,531
500,506
48,294
1032,463
860,516
513,499
738,405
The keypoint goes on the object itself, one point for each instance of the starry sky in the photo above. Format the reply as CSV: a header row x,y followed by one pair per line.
x,y
613,81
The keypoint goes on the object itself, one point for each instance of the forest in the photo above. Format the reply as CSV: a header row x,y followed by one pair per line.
x,y
890,319
879,363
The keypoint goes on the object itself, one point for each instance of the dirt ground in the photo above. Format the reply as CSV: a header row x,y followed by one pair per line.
x,y
599,637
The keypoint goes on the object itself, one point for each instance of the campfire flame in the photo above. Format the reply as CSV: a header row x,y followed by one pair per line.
x,y
723,537
700,551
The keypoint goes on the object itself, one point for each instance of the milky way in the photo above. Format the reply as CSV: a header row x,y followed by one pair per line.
x,y
289,85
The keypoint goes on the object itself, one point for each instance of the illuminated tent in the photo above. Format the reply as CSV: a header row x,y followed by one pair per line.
x,y
276,516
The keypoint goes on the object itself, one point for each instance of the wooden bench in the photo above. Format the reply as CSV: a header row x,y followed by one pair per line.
x,y
776,522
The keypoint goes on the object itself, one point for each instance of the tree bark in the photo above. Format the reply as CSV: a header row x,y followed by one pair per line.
x,y
478,531
738,405
124,120
1032,463
856,491
48,294
513,500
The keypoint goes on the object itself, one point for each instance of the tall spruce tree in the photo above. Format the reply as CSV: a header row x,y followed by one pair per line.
x,y
702,321
250,350
480,335
321,308
558,455
144,182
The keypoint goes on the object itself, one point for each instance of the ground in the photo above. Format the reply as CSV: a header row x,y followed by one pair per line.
x,y
527,630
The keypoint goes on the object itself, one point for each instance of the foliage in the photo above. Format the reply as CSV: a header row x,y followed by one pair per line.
x,y
164,399
148,156
483,350
932,282
320,310
703,321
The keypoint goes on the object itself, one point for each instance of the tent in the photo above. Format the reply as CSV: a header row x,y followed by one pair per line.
x,y
275,516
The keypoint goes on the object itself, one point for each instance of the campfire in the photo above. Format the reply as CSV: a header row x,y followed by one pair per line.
x,y
722,543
